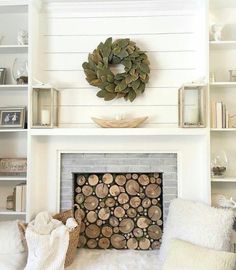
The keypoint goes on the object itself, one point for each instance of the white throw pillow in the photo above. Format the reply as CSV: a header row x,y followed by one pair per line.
x,y
10,239
199,224
185,256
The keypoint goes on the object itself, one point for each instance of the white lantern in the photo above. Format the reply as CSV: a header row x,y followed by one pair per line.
x,y
44,107
192,106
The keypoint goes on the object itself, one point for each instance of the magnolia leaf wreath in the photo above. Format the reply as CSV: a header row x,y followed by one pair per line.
x,y
127,85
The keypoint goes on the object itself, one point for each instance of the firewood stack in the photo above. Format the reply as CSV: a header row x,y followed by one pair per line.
x,y
121,211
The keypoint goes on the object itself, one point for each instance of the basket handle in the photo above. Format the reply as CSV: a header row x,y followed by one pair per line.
x,y
78,217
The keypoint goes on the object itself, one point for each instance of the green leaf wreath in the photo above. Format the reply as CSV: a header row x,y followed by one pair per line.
x,y
127,85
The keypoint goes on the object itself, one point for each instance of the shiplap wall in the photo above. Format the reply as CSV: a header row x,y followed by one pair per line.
x,y
173,43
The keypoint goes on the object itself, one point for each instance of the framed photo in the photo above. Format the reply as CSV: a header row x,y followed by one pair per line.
x,y
12,117
3,72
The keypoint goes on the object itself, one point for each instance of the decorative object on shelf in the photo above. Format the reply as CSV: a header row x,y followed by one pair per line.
x,y
13,166
10,202
192,106
212,77
3,72
220,200
219,164
122,123
216,32
121,210
128,84
12,117
220,117
19,196
22,37
44,107
20,70
232,121
232,75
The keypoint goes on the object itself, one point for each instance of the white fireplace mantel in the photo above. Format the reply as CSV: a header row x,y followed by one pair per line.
x,y
193,163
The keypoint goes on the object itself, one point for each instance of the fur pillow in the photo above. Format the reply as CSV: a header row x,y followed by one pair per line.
x,y
199,224
184,256
10,239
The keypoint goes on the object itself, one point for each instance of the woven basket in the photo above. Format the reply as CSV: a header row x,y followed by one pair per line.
x,y
73,235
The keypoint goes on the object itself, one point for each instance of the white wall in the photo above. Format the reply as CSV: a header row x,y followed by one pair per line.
x,y
174,41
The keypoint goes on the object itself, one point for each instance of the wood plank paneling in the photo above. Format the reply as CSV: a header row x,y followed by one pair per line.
x,y
158,60
158,78
87,97
162,42
171,43
83,114
118,25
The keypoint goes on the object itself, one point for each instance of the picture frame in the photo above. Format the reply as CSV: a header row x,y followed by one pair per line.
x,y
12,117
3,72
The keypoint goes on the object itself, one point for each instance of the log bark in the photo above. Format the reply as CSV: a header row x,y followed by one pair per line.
x,y
132,243
91,203
143,180
93,180
92,231
120,180
144,244
118,241
132,187
104,243
126,225
101,190
107,178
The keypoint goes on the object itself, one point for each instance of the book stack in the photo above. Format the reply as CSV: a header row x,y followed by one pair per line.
x,y
219,115
19,195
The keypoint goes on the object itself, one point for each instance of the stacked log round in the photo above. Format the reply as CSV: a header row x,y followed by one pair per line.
x,y
121,211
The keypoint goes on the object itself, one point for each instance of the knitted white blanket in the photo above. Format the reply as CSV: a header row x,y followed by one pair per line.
x,y
47,241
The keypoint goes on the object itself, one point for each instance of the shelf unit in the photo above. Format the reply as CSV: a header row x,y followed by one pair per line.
x,y
5,212
222,59
224,180
118,132
223,84
223,45
14,141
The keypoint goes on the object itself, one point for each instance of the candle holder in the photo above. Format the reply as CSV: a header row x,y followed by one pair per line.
x,y
192,106
44,107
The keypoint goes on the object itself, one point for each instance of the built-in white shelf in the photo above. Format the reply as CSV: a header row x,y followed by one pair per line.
x,y
223,84
12,130
224,180
18,87
13,48
11,212
223,45
219,4
119,132
223,129
13,178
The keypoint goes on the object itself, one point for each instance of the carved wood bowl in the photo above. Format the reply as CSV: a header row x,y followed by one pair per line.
x,y
124,123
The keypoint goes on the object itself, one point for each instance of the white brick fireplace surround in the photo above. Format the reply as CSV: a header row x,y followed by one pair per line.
x,y
192,162
118,163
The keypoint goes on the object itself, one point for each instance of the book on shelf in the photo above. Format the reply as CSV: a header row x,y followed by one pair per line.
x,y
219,115
19,195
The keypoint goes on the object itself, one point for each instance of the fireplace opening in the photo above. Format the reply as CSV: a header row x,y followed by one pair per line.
x,y
120,210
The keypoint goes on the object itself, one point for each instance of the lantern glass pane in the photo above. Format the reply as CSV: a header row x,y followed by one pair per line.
x,y
192,106
42,107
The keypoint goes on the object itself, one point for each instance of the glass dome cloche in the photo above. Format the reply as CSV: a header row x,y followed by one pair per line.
x,y
219,164
20,71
